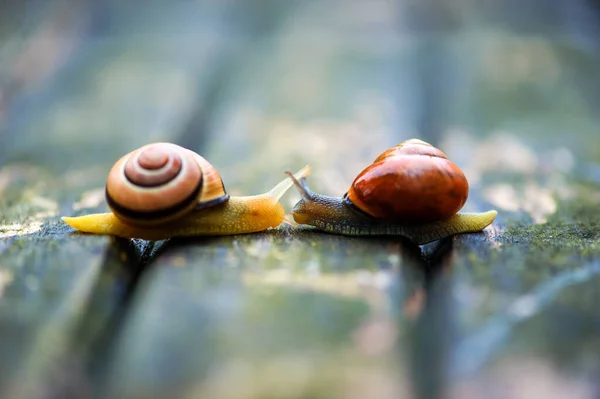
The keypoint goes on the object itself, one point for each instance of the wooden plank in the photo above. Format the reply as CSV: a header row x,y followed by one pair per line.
x,y
308,315
241,304
293,312
60,296
285,311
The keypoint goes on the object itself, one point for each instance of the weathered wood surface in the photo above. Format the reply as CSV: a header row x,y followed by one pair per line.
x,y
510,93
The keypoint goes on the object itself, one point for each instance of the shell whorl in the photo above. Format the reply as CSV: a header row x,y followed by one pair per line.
x,y
161,182
154,166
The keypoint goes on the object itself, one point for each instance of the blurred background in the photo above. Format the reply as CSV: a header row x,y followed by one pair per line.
x,y
509,90
417,67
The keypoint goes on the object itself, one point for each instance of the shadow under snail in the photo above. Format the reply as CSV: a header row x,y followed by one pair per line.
x,y
411,190
162,190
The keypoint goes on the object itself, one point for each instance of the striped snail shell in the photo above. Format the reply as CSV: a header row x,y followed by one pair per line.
x,y
161,182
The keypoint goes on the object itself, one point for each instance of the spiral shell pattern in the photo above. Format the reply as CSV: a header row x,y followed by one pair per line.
x,y
161,182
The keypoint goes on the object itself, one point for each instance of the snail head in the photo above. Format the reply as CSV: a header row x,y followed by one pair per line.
x,y
302,207
313,208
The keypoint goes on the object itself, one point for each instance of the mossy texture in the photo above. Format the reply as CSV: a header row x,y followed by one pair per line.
x,y
259,88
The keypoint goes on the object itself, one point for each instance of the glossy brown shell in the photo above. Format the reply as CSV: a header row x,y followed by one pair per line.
x,y
161,182
412,182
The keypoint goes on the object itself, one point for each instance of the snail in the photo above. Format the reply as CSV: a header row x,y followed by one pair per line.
x,y
162,190
410,190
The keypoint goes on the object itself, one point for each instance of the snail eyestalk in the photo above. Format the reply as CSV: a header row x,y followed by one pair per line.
x,y
286,184
301,185
239,215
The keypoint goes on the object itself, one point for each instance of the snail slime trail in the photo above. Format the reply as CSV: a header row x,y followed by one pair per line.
x,y
389,198
162,190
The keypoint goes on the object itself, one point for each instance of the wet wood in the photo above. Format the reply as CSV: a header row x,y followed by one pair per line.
x,y
259,88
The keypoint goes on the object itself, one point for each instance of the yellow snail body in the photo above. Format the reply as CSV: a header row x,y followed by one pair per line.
x,y
411,190
162,190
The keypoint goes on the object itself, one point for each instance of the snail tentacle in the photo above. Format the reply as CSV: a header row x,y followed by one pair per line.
x,y
301,185
280,189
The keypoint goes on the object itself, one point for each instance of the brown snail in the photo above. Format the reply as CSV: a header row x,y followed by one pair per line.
x,y
162,190
410,190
